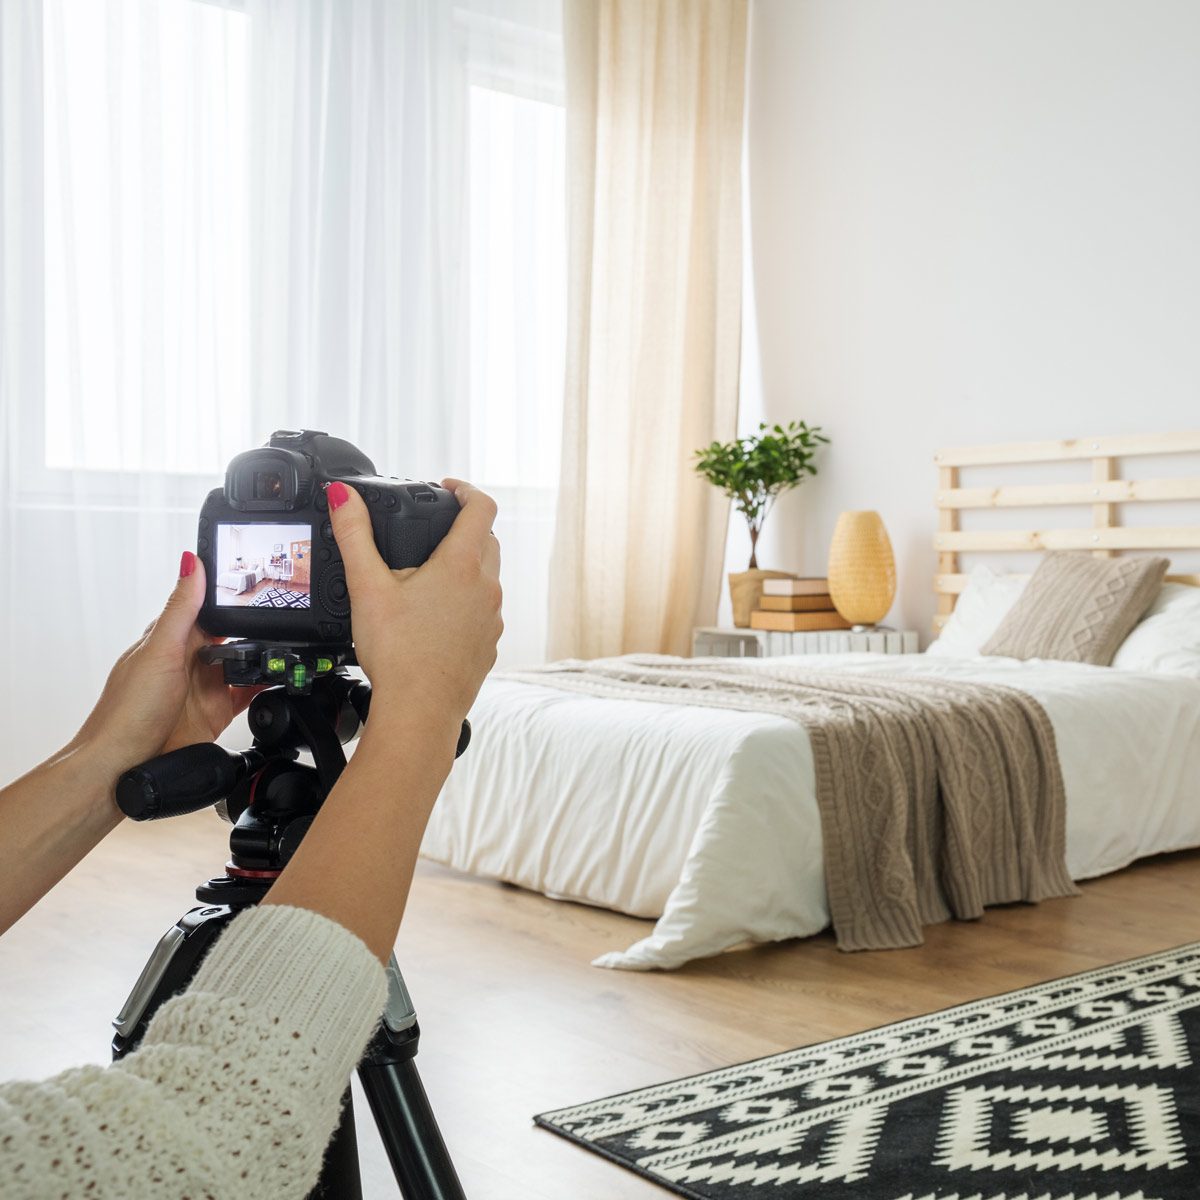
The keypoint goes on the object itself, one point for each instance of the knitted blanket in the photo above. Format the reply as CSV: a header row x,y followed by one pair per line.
x,y
937,797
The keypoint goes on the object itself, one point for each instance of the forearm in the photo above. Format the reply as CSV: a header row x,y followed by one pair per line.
x,y
244,1072
49,820
356,862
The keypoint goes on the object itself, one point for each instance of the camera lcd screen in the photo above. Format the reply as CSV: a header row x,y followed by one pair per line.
x,y
263,566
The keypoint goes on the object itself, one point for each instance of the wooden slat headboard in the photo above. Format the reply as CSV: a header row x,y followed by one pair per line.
x,y
1105,536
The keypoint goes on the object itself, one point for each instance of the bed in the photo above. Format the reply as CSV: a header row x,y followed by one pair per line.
x,y
238,581
705,820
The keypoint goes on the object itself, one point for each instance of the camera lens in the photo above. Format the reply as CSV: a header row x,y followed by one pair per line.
x,y
268,485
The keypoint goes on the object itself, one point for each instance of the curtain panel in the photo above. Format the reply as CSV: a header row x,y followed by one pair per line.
x,y
655,94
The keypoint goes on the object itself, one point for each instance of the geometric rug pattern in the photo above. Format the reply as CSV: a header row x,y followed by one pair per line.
x,y
280,598
1083,1088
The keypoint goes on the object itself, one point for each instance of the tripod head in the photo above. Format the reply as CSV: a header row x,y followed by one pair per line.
x,y
311,703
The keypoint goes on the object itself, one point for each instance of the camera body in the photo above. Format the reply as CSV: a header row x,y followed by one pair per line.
x,y
272,563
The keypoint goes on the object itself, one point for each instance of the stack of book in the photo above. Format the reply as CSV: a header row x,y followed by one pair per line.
x,y
796,606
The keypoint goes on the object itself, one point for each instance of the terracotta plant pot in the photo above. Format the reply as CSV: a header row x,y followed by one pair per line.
x,y
745,588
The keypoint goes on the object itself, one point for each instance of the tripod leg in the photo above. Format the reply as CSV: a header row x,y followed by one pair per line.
x,y
409,1130
407,1126
168,972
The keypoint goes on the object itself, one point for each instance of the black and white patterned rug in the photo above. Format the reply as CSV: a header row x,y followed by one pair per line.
x,y
1084,1088
280,598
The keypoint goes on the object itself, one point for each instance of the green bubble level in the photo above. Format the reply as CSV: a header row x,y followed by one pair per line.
x,y
275,665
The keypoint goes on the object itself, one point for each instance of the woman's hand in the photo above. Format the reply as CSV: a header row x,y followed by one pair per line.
x,y
428,635
159,696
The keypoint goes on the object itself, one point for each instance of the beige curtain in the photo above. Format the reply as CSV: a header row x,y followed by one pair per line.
x,y
654,144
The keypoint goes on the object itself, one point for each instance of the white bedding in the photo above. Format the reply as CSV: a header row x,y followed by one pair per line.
x,y
706,819
238,581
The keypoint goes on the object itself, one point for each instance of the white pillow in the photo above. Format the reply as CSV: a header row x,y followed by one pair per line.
x,y
1167,638
982,606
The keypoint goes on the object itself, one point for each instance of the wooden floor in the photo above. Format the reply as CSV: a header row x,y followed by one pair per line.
x,y
230,599
515,1020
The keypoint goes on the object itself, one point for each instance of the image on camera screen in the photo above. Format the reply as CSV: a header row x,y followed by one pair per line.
x,y
263,566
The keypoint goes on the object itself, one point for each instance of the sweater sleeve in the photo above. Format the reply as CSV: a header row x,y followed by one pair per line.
x,y
235,1089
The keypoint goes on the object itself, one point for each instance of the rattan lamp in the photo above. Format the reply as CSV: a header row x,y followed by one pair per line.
x,y
862,570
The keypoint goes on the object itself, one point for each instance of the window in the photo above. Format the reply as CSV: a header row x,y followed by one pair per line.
x,y
147,183
517,255
146,207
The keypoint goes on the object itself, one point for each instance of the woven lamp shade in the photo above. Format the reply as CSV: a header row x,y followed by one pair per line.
x,y
862,569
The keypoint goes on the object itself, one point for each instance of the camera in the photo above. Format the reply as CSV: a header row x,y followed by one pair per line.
x,y
273,567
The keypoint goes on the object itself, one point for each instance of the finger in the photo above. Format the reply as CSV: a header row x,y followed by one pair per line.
x,y
355,538
473,525
175,625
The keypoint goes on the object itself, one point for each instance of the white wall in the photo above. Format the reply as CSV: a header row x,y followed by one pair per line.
x,y
972,220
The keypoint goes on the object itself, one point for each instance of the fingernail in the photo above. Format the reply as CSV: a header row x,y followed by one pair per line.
x,y
187,564
338,494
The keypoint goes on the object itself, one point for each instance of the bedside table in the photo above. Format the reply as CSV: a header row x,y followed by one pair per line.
x,y
713,642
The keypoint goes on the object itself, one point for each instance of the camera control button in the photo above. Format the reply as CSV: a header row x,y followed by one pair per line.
x,y
389,501
203,522
321,500
373,494
327,531
331,629
332,592
202,544
325,554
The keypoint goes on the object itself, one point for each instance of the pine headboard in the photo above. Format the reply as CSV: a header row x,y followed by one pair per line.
x,y
1108,489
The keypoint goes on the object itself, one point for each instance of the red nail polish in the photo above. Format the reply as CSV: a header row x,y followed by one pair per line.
x,y
338,494
187,564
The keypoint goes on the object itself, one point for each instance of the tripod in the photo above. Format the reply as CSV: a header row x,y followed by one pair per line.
x,y
270,798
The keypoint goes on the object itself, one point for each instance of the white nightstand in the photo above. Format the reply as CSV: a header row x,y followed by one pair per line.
x,y
712,642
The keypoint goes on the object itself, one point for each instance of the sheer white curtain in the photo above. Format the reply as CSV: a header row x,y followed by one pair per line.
x,y
217,219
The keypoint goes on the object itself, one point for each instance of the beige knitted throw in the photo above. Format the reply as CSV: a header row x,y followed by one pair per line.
x,y
937,797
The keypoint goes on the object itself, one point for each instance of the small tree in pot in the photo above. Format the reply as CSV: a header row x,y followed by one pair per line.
x,y
754,472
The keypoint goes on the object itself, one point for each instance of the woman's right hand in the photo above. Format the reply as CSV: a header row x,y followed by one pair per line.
x,y
424,635
426,638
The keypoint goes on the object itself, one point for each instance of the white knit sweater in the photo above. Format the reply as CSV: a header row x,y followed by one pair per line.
x,y
235,1089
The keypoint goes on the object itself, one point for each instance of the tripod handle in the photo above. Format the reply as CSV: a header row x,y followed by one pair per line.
x,y
183,781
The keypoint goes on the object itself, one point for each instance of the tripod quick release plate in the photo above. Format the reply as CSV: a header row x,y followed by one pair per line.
x,y
294,665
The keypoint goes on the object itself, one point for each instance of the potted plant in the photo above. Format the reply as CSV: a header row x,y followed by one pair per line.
x,y
754,472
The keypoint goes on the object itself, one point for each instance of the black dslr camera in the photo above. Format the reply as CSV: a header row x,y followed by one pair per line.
x,y
273,567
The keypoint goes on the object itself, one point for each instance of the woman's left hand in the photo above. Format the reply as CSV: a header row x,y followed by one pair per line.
x,y
159,696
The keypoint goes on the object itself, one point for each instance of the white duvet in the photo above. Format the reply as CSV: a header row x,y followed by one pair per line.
x,y
706,819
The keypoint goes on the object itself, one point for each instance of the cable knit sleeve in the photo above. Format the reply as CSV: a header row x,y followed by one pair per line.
x,y
235,1089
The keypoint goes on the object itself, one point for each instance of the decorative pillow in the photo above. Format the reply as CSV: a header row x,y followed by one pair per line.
x,y
1076,608
980,609
1167,638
